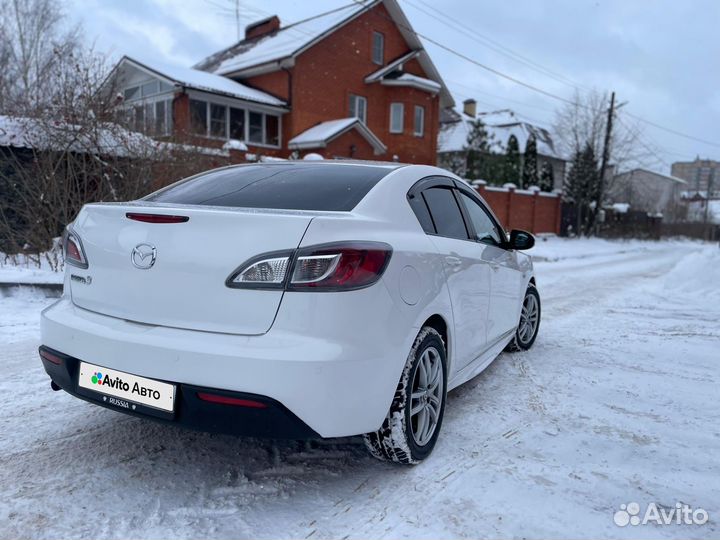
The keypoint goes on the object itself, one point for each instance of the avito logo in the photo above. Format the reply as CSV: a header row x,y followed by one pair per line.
x,y
118,384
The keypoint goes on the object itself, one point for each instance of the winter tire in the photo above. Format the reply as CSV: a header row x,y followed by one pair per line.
x,y
529,324
411,428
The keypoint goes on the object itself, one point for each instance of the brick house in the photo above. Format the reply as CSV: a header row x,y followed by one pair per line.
x,y
351,83
456,125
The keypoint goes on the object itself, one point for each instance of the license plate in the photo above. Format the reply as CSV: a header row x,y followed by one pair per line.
x,y
125,386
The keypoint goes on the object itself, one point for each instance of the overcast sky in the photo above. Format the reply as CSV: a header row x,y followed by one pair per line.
x,y
662,57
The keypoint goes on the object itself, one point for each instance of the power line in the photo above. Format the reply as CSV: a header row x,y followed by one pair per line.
x,y
673,131
482,92
493,44
535,88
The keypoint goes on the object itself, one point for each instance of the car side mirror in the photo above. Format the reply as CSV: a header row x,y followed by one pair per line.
x,y
521,240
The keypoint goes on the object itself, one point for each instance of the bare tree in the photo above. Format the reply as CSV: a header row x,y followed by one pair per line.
x,y
71,148
33,35
579,129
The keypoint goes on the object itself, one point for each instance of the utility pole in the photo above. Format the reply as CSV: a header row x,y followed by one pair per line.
x,y
605,158
708,195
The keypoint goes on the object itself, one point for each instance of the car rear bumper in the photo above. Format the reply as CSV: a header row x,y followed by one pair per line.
x,y
264,417
334,385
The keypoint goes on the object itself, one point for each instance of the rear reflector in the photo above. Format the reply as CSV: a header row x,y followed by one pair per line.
x,y
226,400
156,218
50,357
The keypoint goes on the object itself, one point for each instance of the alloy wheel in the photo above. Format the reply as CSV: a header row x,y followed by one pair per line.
x,y
426,397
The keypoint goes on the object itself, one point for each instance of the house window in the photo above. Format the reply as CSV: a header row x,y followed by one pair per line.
x,y
397,111
255,127
237,124
218,120
358,107
419,128
132,93
221,121
149,88
378,48
272,130
163,117
198,117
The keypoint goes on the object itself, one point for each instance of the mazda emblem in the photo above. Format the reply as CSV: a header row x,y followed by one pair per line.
x,y
143,256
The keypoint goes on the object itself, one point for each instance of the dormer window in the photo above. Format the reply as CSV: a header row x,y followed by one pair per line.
x,y
358,107
378,48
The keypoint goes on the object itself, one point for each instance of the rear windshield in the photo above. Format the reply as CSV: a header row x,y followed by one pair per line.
x,y
292,187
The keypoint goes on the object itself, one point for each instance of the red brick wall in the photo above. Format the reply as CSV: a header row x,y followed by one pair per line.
x,y
535,213
342,147
318,89
325,75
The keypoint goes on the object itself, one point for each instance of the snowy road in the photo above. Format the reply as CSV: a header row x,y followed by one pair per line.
x,y
616,403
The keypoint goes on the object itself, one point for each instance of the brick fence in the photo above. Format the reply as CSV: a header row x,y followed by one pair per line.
x,y
530,210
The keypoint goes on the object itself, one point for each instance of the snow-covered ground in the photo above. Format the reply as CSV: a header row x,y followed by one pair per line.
x,y
27,272
616,403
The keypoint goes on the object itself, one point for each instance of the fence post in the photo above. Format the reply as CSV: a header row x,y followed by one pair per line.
x,y
558,212
508,207
533,221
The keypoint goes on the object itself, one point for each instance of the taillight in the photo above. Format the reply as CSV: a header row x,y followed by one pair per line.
x,y
73,249
269,271
343,266
329,267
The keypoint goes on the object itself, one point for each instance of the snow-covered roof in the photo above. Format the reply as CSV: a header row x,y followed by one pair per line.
x,y
319,135
105,139
202,80
408,79
647,172
392,66
278,49
452,136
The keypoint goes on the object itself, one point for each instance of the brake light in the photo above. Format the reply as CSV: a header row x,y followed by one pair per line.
x,y
227,400
156,218
73,250
344,266
329,267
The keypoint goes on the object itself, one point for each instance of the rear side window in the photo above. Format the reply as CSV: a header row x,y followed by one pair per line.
x,y
277,186
445,213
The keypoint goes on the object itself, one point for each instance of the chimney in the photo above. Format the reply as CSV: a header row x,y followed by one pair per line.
x,y
260,28
470,107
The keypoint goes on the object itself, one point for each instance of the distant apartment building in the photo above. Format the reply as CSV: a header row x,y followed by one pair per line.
x,y
701,175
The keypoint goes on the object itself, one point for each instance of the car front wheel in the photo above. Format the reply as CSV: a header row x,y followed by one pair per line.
x,y
411,428
529,324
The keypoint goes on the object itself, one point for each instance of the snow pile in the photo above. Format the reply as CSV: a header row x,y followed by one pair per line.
x,y
697,274
621,208
553,248
22,270
234,144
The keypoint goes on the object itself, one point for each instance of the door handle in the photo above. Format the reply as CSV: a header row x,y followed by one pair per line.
x,y
453,261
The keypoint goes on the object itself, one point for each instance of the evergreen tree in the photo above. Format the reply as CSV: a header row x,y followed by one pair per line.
x,y
582,185
530,170
511,167
547,177
481,162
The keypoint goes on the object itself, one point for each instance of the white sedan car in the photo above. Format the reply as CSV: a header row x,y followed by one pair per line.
x,y
291,300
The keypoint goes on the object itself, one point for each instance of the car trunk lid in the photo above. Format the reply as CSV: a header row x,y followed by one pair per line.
x,y
184,287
